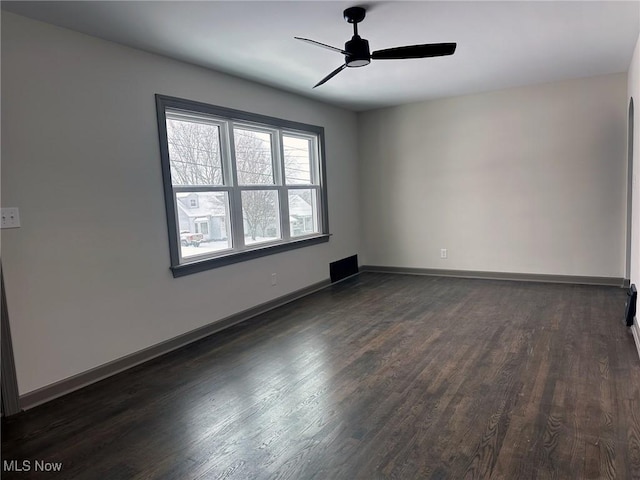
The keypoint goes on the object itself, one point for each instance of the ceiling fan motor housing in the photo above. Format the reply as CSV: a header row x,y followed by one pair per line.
x,y
358,52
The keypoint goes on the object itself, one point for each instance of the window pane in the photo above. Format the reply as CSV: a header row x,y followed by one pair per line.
x,y
253,157
297,160
303,219
203,221
261,216
194,153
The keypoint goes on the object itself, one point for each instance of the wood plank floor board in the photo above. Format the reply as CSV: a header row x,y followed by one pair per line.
x,y
381,376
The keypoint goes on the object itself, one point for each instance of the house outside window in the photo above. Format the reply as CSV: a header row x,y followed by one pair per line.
x,y
238,185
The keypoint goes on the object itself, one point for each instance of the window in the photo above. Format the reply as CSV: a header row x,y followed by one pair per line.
x,y
238,185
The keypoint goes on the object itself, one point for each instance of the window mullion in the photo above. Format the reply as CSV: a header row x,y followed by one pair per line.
x,y
235,196
231,177
319,213
285,230
315,164
200,188
278,158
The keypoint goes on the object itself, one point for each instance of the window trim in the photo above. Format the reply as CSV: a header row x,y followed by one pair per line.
x,y
178,269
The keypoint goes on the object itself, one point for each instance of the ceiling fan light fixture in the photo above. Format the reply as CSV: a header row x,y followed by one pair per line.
x,y
357,62
358,52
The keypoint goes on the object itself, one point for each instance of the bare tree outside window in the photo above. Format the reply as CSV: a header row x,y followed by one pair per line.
x,y
297,160
254,161
254,166
194,153
260,214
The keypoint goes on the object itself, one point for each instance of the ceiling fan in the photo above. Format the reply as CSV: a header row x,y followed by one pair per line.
x,y
356,51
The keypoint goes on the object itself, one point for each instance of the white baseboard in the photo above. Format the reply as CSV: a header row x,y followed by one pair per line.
x,y
635,329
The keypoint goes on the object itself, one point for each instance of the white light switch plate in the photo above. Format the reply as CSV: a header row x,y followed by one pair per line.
x,y
9,217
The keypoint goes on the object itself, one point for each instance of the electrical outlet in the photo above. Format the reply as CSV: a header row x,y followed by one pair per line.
x,y
443,253
9,218
274,279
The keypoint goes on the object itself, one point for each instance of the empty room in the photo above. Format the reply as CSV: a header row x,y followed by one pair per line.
x,y
320,240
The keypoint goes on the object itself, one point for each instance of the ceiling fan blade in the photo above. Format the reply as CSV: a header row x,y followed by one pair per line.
x,y
330,76
415,51
313,42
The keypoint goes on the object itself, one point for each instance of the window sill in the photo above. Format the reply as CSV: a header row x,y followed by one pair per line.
x,y
236,257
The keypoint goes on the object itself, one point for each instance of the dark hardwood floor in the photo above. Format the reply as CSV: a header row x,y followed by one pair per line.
x,y
381,376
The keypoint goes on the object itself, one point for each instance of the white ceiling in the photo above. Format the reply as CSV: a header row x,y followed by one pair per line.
x,y
500,44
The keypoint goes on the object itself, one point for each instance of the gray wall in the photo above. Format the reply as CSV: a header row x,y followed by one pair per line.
x,y
87,276
527,180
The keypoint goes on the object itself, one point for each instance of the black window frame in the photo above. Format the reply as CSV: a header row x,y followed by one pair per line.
x,y
225,114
